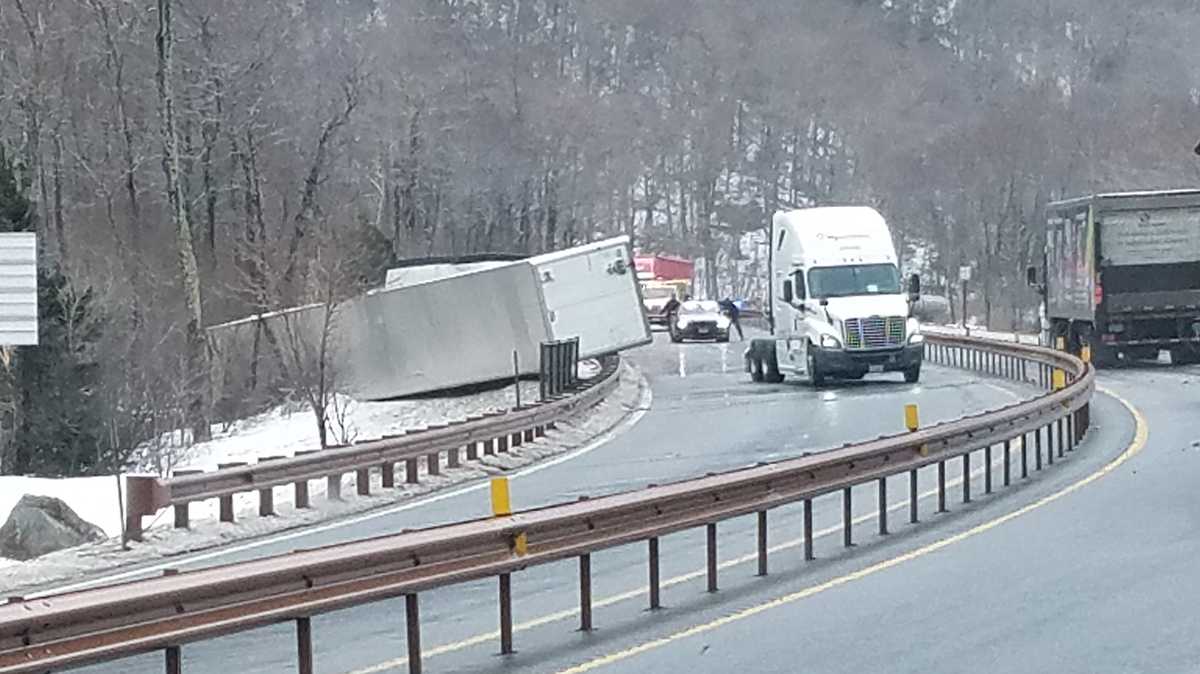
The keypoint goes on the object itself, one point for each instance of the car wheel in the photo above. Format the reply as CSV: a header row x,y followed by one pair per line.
x,y
913,374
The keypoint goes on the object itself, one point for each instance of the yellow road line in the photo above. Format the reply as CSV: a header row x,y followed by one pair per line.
x,y
645,589
1138,443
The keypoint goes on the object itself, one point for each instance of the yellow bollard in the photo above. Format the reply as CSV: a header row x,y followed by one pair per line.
x,y
911,419
1085,354
502,507
1060,380
501,503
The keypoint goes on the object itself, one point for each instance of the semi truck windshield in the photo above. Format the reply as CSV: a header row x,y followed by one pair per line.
x,y
864,279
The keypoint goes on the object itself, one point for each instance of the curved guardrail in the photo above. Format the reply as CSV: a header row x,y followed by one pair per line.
x,y
476,435
163,613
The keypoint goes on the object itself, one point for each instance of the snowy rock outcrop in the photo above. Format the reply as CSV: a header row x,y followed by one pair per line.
x,y
43,524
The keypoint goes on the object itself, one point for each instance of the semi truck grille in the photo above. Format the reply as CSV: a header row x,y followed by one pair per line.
x,y
875,332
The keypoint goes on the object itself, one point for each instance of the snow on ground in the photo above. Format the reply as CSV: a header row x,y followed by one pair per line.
x,y
162,540
975,331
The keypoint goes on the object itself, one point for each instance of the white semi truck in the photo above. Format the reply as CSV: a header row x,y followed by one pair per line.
x,y
837,305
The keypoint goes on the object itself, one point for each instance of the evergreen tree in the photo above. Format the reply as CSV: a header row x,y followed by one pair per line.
x,y
54,421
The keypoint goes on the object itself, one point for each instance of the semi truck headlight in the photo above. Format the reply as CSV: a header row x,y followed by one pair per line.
x,y
830,342
916,338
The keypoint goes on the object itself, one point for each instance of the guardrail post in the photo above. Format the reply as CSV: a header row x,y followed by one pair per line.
x,y
808,530
1059,424
1025,456
410,471
387,475
883,507
506,638
654,584
585,593
300,487
941,486
226,502
1007,468
266,502
762,542
412,620
912,496
472,451
1050,443
987,469
1037,439
174,660
452,457
966,477
304,649
502,444
362,481
711,531
1071,432
433,460
847,519
182,517
489,446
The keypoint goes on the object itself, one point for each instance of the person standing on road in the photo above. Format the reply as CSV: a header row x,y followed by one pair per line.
x,y
731,309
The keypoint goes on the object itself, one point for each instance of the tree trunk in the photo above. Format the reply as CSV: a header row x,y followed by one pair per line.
x,y
197,353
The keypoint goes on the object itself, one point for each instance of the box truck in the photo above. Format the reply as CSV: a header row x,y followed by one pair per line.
x,y
838,307
1121,275
666,281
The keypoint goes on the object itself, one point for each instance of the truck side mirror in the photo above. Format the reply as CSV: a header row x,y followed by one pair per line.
x,y
787,291
914,287
1031,276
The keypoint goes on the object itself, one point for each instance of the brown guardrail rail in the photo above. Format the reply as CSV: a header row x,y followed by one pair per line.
x,y
475,436
163,613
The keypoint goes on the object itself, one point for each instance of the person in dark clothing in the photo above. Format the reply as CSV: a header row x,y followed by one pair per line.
x,y
730,309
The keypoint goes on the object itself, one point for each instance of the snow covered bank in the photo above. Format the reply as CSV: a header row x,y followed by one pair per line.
x,y
164,541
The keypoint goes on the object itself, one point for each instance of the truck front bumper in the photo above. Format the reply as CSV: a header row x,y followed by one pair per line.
x,y
856,363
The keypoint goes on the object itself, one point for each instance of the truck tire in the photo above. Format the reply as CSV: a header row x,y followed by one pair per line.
x,y
815,376
1185,355
773,375
913,374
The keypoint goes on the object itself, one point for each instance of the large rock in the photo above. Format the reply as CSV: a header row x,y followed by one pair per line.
x,y
42,524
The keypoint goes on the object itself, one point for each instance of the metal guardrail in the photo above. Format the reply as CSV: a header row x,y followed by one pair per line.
x,y
477,435
163,613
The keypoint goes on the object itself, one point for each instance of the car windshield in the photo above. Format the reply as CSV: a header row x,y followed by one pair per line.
x,y
860,279
703,307
657,293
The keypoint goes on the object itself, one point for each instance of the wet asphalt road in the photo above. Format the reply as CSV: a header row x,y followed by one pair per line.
x,y
705,416
1100,578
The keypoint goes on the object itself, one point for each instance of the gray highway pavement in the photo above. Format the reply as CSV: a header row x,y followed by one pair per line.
x,y
1096,573
705,416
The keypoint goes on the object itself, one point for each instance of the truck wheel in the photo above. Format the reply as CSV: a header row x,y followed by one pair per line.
x,y
814,372
1184,356
913,374
773,376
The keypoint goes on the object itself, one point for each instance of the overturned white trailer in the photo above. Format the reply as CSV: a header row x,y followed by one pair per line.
x,y
449,326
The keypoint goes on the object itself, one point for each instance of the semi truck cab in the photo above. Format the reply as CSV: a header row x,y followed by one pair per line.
x,y
839,307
